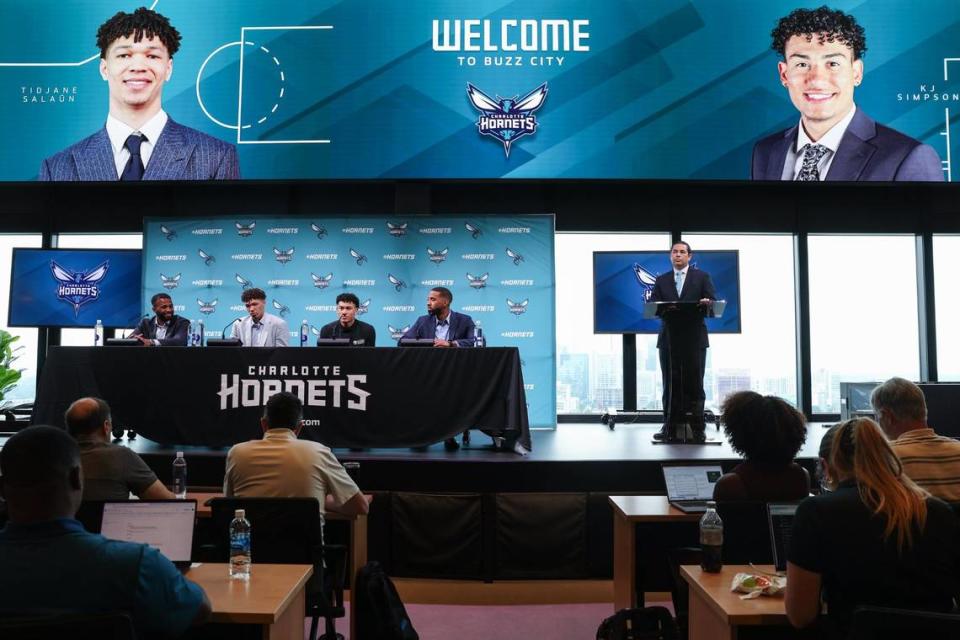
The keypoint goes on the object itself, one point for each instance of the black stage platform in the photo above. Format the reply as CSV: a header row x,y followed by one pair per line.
x,y
572,458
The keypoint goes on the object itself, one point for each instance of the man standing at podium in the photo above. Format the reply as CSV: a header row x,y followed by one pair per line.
x,y
683,283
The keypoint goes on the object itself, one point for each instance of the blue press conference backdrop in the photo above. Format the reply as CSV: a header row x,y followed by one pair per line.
x,y
500,270
622,282
354,89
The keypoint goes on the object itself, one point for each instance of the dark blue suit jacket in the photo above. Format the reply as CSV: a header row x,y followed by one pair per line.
x,y
177,333
696,286
181,153
460,331
867,152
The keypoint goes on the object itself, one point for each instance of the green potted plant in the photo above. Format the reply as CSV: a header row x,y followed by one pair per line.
x,y
9,376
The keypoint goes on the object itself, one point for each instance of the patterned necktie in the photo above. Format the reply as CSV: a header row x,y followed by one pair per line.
x,y
812,154
679,281
134,169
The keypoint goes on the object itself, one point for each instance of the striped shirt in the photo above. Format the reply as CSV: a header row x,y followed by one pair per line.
x,y
932,461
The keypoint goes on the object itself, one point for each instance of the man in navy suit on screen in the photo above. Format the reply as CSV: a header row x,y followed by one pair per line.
x,y
140,141
822,64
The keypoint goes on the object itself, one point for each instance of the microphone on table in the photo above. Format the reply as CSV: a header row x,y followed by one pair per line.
x,y
223,332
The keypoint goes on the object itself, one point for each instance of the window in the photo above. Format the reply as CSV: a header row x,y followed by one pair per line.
x,y
84,337
589,366
946,266
763,357
863,312
26,346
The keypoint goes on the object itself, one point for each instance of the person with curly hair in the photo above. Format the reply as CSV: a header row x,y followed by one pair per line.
x,y
877,539
140,141
768,432
822,64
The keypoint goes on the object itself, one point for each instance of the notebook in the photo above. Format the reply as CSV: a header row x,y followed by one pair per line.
x,y
166,525
689,487
780,518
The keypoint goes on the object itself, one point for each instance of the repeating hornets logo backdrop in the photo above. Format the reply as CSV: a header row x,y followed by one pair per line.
x,y
499,268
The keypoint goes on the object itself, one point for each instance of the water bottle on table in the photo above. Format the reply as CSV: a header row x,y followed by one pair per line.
x,y
200,334
478,339
240,546
98,334
304,333
711,539
180,476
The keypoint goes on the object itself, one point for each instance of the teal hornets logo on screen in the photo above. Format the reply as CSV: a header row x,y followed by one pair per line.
x,y
77,288
507,119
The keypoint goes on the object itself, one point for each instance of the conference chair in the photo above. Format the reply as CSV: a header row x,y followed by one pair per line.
x,y
880,623
647,623
103,626
289,531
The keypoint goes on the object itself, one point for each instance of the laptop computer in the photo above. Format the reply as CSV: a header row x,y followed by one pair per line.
x,y
166,525
689,487
780,517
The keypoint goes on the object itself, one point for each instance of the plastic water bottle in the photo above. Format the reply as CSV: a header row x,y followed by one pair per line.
x,y
200,334
240,546
180,476
190,336
478,339
711,539
304,333
98,334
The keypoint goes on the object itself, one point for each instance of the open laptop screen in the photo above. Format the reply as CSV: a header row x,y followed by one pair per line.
x,y
166,525
691,482
780,517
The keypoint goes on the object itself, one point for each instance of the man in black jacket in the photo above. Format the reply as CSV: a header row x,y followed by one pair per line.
x,y
164,329
347,326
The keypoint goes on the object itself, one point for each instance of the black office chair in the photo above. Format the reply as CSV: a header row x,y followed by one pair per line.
x,y
289,531
880,623
647,623
103,626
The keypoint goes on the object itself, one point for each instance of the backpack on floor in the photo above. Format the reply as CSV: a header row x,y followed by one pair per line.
x,y
647,623
380,613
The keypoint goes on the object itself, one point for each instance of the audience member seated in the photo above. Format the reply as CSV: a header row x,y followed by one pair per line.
x,y
768,432
282,466
932,461
110,472
876,539
49,564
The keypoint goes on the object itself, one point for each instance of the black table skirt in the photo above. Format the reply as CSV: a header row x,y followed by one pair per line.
x,y
353,397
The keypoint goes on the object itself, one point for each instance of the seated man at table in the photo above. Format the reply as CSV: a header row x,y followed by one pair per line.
x,y
164,329
110,472
49,564
283,466
445,327
347,326
259,328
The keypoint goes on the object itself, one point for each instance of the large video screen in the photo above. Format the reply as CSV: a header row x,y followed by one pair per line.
x,y
316,89
75,287
623,282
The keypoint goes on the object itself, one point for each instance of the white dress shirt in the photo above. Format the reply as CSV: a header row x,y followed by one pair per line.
x,y
831,140
118,132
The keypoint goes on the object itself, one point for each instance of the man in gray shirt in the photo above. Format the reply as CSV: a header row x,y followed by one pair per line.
x,y
110,472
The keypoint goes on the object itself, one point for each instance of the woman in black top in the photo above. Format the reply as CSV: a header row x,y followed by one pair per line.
x,y
768,432
876,539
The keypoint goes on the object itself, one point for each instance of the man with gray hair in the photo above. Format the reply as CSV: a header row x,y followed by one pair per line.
x,y
932,461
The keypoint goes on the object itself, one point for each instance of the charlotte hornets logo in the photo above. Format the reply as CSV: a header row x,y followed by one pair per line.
x,y
281,308
507,119
364,307
395,333
206,257
245,230
436,257
317,229
516,257
396,282
169,283
321,282
359,257
243,282
478,282
77,288
397,230
517,308
475,232
169,234
645,280
283,256
206,308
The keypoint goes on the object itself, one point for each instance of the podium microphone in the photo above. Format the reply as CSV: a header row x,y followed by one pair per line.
x,y
223,332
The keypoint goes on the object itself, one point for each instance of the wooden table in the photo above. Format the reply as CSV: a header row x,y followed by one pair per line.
x,y
627,512
273,598
716,612
358,542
